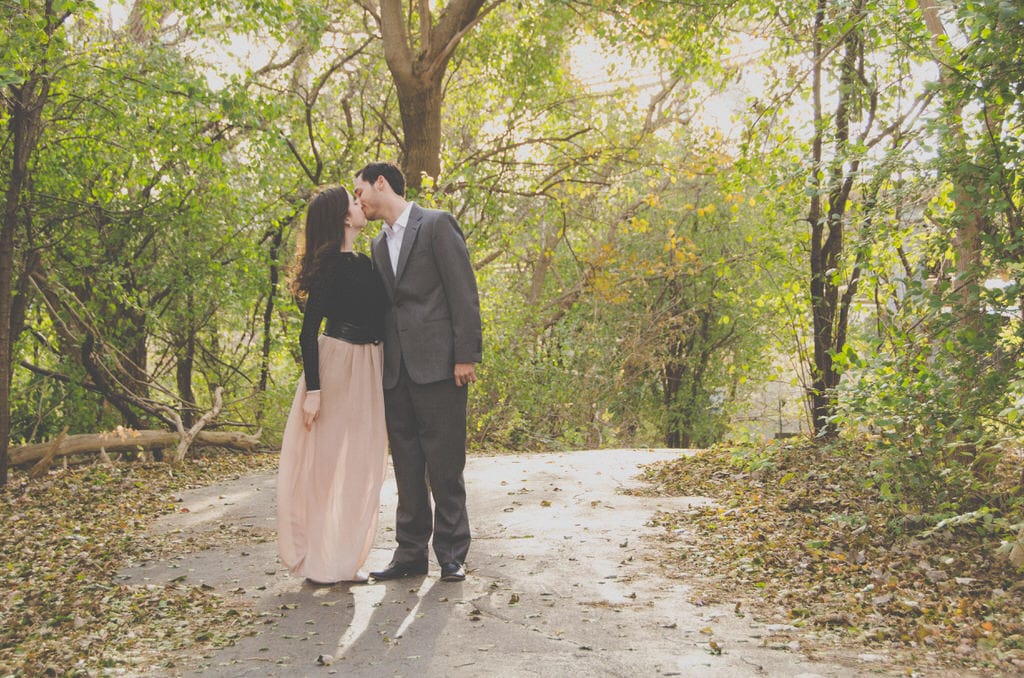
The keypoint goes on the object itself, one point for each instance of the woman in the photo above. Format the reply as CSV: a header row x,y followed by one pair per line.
x,y
334,451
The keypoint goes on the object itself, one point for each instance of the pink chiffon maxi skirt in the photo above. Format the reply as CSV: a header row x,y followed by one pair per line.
x,y
329,478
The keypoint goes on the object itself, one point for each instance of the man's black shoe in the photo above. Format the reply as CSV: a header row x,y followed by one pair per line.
x,y
453,572
398,570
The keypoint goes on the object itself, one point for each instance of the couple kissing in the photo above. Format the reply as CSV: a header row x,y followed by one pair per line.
x,y
400,342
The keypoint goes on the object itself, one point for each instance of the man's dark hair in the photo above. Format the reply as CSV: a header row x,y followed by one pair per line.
x,y
390,172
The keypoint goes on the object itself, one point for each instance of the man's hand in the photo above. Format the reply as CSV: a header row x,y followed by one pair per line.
x,y
310,409
465,373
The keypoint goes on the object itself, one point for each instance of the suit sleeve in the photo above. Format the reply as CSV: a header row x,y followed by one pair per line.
x,y
460,289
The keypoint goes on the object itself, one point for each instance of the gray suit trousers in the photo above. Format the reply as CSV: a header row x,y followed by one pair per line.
x,y
427,432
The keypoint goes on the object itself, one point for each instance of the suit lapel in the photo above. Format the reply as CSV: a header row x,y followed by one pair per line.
x,y
383,261
411,229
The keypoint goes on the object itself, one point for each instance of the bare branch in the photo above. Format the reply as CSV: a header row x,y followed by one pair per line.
x,y
188,436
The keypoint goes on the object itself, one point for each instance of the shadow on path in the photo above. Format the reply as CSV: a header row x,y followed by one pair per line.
x,y
562,580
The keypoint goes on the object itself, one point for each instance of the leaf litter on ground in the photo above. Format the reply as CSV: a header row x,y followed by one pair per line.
x,y
803,541
65,536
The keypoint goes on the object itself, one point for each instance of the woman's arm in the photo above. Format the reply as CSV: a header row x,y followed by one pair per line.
x,y
308,337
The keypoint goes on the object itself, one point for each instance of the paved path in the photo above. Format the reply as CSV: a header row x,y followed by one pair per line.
x,y
563,580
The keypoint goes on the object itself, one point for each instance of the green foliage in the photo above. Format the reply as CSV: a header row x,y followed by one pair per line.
x,y
938,376
44,406
641,275
167,187
936,397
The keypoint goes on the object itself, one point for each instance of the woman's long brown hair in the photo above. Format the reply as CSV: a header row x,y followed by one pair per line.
x,y
324,233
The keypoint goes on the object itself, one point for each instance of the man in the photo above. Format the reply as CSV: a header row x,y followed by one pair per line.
x,y
432,340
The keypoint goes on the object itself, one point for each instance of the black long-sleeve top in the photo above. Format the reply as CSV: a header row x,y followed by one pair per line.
x,y
348,291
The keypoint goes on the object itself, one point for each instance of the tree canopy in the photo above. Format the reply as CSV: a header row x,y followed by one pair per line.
x,y
690,223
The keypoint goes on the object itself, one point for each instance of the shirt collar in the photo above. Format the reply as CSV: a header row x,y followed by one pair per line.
x,y
400,223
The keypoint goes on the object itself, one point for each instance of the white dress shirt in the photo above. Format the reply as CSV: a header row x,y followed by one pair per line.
x,y
394,234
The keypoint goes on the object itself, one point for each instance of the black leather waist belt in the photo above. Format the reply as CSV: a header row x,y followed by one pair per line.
x,y
353,334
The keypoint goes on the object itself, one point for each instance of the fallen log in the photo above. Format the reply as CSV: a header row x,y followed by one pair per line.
x,y
42,466
126,440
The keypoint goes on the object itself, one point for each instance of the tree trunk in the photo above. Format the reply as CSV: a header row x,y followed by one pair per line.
x,y
183,372
671,378
420,106
969,193
550,235
24,106
820,313
268,316
828,310
418,62
671,384
6,303
135,338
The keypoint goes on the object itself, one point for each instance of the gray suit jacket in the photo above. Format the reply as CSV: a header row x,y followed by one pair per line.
x,y
432,320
